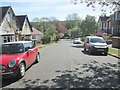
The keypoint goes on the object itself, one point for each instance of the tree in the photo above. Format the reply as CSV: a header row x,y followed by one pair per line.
x,y
41,24
88,26
47,26
74,33
37,24
72,21
50,34
60,27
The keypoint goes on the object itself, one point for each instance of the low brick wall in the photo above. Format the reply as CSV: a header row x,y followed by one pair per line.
x,y
116,42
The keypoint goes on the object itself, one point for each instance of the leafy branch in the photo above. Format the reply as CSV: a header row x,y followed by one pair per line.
x,y
112,4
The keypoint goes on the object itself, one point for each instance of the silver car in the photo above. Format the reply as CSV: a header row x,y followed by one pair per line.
x,y
95,44
77,41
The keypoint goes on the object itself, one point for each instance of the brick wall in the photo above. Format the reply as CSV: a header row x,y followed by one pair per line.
x,y
116,42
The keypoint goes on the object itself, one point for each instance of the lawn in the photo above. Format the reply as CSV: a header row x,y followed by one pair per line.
x,y
115,52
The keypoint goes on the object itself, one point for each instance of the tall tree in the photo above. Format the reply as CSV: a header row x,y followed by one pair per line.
x,y
89,25
60,27
72,20
51,32
47,26
41,24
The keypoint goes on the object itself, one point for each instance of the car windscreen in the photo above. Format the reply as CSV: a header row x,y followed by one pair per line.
x,y
12,48
97,40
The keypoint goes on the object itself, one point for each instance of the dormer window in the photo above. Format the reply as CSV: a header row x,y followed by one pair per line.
x,y
8,16
13,16
25,24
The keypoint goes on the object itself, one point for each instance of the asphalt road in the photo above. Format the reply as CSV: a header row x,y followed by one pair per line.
x,y
66,65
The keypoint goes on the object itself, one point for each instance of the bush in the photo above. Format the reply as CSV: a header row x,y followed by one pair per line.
x,y
45,39
105,36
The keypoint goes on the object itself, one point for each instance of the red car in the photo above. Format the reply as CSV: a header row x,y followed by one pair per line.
x,y
16,57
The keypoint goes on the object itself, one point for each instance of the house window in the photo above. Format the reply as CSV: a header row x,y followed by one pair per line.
x,y
13,17
8,38
104,25
9,17
5,39
33,37
118,16
11,39
27,37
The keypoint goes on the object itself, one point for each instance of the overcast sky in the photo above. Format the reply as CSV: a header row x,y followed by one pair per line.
x,y
50,8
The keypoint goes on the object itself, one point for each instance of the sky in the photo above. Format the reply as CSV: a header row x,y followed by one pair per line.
x,y
59,9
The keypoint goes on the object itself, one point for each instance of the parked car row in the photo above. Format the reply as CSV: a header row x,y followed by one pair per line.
x,y
93,44
16,57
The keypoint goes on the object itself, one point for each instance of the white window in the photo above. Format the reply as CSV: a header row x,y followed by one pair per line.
x,y
11,38
34,37
118,16
5,39
10,16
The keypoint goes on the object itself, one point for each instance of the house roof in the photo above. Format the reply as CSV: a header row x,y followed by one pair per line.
x,y
35,31
20,20
3,11
103,18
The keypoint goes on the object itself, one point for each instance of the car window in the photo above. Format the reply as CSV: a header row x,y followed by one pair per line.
x,y
97,40
31,45
28,45
12,48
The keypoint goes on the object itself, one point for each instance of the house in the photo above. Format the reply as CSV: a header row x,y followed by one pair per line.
x,y
110,24
36,35
24,31
116,24
7,24
103,23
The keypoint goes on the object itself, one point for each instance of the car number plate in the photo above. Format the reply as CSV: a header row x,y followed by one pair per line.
x,y
100,49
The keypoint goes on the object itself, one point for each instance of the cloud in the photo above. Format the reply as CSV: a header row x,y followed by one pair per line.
x,y
48,8
35,0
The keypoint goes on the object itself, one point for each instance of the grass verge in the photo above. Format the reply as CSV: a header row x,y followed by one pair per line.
x,y
115,52
45,45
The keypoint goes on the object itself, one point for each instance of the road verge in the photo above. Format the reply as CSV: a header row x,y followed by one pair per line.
x,y
114,52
